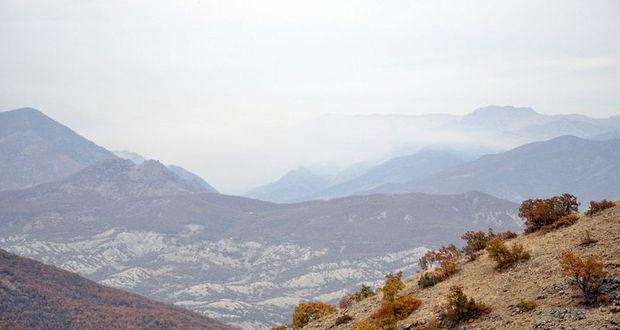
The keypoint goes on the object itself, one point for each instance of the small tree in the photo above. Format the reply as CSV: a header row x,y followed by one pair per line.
x,y
460,308
305,313
586,272
504,256
393,284
364,292
428,279
540,212
446,258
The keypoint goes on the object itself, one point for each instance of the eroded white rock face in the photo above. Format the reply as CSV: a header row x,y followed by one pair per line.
x,y
251,284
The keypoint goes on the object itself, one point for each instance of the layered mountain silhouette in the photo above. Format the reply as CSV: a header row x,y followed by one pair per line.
x,y
485,130
36,149
37,296
588,168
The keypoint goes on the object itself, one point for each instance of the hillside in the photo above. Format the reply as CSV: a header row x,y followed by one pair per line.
x,y
588,168
244,261
539,279
35,149
37,296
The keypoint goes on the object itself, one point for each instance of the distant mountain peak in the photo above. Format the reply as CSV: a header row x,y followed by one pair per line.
x,y
35,149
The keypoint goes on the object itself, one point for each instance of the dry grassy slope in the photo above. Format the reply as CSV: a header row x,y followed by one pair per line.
x,y
539,279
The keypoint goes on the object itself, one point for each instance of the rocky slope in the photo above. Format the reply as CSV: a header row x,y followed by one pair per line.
x,y
37,296
539,279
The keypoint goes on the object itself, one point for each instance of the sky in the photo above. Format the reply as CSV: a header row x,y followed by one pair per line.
x,y
220,87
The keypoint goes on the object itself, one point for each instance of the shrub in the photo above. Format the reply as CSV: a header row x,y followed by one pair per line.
x,y
586,272
565,221
475,241
393,284
278,327
596,207
310,311
391,312
446,259
459,308
526,305
540,212
361,325
364,292
503,256
428,279
342,319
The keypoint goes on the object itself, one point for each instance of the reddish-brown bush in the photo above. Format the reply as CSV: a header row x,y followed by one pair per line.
x,y
445,258
278,327
459,308
393,284
391,312
596,207
504,256
540,212
586,272
310,311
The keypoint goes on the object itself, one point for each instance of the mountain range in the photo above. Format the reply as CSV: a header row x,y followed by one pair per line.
x,y
442,142
244,261
156,230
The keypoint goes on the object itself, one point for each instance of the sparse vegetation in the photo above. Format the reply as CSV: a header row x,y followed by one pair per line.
x,y
428,279
446,259
459,308
526,305
541,212
587,273
343,319
364,292
393,284
391,312
596,207
310,311
504,256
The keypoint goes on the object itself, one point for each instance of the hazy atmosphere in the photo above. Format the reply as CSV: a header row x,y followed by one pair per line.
x,y
237,91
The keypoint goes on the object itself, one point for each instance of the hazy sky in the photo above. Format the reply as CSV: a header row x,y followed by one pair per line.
x,y
217,86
